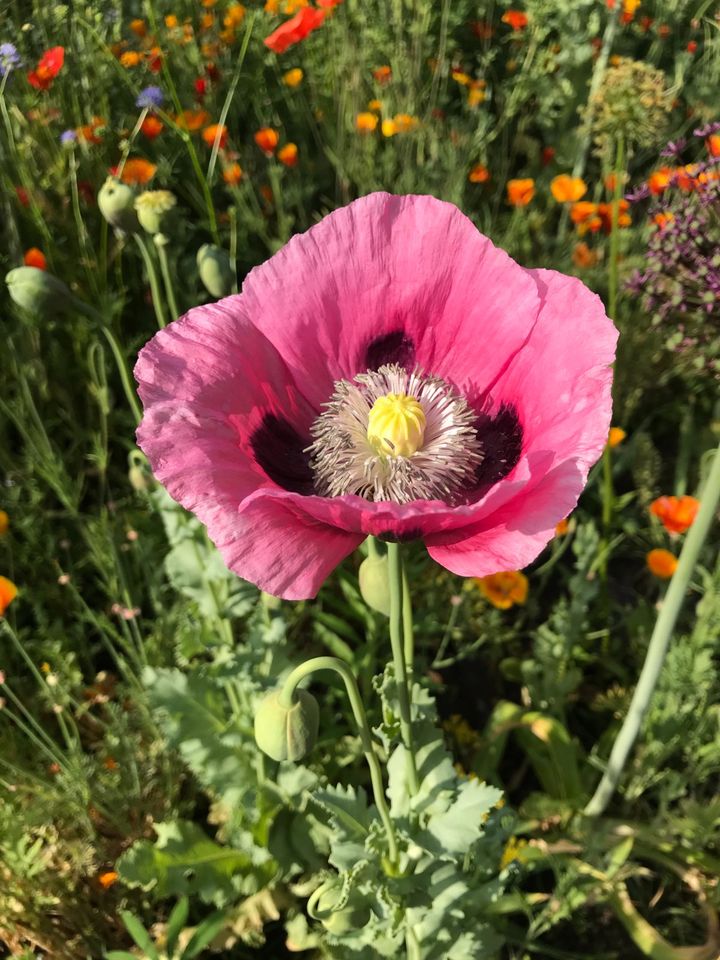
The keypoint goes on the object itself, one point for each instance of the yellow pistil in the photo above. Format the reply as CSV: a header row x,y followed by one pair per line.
x,y
396,425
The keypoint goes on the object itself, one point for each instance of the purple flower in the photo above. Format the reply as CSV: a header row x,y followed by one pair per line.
x,y
674,148
150,98
708,129
68,136
9,58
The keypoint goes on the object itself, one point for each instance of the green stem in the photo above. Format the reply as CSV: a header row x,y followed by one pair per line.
x,y
395,573
122,367
167,280
153,278
659,642
287,698
407,621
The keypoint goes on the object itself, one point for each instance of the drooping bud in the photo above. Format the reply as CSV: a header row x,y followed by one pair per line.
x,y
215,270
339,914
38,291
155,209
287,733
116,201
374,583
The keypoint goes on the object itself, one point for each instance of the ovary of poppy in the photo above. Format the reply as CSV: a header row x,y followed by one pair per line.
x,y
676,514
295,29
661,563
138,171
151,127
216,132
48,67
288,155
267,139
515,19
8,592
479,174
567,189
396,290
366,122
616,437
503,590
35,258
520,192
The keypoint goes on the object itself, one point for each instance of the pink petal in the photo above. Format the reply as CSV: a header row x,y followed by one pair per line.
x,y
385,267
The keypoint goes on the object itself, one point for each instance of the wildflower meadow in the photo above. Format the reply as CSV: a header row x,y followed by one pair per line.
x,y
359,479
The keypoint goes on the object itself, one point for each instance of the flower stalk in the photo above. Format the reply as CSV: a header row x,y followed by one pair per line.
x,y
659,642
399,650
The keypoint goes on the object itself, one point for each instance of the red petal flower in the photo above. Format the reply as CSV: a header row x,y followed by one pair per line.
x,y
47,69
295,29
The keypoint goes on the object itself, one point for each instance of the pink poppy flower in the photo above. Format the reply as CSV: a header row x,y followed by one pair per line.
x,y
389,372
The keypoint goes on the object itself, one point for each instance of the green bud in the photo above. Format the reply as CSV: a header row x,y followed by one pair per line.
x,y
117,204
215,270
37,290
374,584
287,733
338,915
154,210
139,474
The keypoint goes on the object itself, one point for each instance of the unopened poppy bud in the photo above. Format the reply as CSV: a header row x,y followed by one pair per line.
x,y
37,290
116,201
287,733
215,270
338,920
374,584
139,473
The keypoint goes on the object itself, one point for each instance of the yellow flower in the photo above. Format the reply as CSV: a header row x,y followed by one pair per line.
x,y
475,96
366,122
389,129
4,523
294,77
461,77
514,851
616,436
504,590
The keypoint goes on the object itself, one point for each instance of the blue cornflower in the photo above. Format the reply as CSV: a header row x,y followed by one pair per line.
x,y
68,136
150,98
9,58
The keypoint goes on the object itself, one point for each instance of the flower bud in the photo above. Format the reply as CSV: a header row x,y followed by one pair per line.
x,y
37,290
117,204
215,270
338,920
154,210
374,584
139,473
287,733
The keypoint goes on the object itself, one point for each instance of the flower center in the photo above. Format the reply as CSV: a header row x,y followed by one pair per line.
x,y
396,425
398,436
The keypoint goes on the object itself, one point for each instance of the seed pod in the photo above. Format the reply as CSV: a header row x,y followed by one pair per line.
x,y
287,733
374,585
116,201
38,291
215,270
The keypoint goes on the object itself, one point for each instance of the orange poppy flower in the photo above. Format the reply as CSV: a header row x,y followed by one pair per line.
x,y
479,174
662,563
234,15
129,59
138,27
675,513
106,880
232,175
192,120
366,122
582,211
8,592
4,518
151,127
504,590
616,437
34,258
567,189
476,94
288,155
48,68
382,74
515,19
562,528
660,180
213,132
267,139
662,219
583,256
138,171
520,192
713,144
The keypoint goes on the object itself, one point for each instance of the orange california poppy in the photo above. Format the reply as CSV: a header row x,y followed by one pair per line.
x,y
232,174
382,74
151,127
616,437
288,155
583,256
662,563
192,120
504,590
8,592
35,258
367,122
267,139
660,180
675,513
138,171
515,19
213,132
713,144
520,192
293,77
108,878
567,189
479,174
4,523
138,27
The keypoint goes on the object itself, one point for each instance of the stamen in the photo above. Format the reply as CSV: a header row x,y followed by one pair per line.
x,y
394,435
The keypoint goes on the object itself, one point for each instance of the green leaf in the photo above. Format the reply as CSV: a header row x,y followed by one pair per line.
x,y
139,934
120,955
461,824
204,934
176,923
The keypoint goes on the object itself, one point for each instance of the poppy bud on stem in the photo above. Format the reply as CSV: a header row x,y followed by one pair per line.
x,y
286,699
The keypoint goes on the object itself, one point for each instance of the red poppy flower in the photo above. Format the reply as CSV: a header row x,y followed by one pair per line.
x,y
295,29
47,69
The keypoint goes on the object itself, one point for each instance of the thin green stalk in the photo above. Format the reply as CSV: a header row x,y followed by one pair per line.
x,y
287,698
122,367
407,622
659,642
153,278
395,574
160,244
